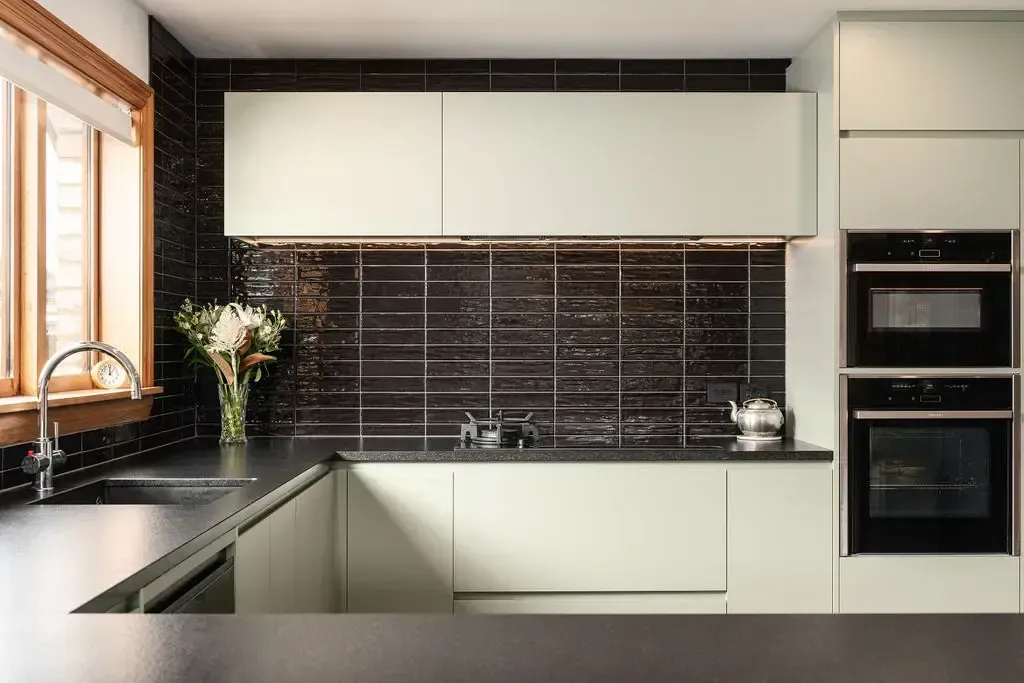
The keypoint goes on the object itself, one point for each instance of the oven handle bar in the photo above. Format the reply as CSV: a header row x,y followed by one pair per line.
x,y
933,415
932,268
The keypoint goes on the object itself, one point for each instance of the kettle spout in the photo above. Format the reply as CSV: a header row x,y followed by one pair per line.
x,y
735,408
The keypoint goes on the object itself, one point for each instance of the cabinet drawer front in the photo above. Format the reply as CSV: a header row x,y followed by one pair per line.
x,y
590,528
936,75
609,603
929,183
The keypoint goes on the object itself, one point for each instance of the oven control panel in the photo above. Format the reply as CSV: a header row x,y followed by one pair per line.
x,y
921,247
959,393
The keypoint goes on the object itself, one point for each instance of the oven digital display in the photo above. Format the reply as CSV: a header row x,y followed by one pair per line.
x,y
926,309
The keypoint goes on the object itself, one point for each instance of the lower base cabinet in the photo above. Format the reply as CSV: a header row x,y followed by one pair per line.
x,y
655,603
284,563
780,538
400,539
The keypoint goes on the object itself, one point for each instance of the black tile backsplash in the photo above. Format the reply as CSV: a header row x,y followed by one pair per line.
x,y
607,344
173,78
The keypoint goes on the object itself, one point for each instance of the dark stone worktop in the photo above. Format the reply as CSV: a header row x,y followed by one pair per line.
x,y
716,449
581,649
55,559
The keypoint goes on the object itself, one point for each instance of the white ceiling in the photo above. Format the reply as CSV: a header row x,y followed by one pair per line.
x,y
511,28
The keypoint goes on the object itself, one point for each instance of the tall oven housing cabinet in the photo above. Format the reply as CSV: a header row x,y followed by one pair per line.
x,y
916,265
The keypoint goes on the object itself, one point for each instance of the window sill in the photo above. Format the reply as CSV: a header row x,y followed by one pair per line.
x,y
76,411
18,404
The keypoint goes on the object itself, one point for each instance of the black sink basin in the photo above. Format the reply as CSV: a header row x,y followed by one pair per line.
x,y
146,492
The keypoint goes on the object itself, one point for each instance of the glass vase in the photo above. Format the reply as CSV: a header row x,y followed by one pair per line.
x,y
233,399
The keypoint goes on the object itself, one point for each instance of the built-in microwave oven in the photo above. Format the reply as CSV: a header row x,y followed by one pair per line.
x,y
929,465
930,300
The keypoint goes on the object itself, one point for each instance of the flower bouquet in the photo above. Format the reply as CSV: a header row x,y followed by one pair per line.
x,y
236,341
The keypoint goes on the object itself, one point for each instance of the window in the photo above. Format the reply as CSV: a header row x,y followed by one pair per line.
x,y
49,204
76,221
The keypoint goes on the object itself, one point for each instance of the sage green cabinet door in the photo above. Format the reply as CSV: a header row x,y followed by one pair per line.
x,y
314,541
400,539
582,528
931,75
282,559
780,538
936,183
252,570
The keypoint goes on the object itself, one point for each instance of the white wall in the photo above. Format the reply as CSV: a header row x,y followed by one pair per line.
x,y
118,27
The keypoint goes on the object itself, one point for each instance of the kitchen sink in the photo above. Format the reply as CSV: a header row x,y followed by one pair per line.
x,y
146,492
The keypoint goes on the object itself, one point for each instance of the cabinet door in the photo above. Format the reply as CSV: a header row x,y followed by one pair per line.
x,y
780,538
314,541
282,559
252,570
929,183
329,164
590,528
629,164
934,75
665,603
400,539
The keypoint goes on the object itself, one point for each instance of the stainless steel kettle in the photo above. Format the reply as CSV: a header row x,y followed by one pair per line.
x,y
759,417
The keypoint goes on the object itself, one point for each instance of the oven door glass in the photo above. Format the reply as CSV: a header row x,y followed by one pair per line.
x,y
921,485
930,319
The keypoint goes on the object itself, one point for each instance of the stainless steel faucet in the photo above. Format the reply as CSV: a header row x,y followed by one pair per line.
x,y
47,455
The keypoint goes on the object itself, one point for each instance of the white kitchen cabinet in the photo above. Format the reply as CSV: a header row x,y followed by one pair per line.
x,y
929,183
284,563
898,584
629,164
609,603
524,528
329,164
780,538
931,75
252,570
314,548
283,547
400,539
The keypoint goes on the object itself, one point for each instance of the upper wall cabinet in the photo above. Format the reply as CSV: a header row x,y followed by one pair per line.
x,y
630,165
332,164
932,75
929,183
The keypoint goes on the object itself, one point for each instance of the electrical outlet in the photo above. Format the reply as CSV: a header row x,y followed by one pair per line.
x,y
721,392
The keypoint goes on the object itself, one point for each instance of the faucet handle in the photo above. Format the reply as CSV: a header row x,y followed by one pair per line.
x,y
59,457
33,464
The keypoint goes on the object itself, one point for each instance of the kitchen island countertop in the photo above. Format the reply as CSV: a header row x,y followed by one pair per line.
x,y
581,649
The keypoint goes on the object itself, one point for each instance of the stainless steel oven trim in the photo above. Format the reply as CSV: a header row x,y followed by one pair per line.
x,y
1015,472
932,267
1014,301
933,414
844,467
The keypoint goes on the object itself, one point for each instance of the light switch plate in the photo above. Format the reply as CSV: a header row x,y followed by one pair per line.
x,y
722,392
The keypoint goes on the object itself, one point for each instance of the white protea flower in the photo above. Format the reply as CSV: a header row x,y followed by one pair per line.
x,y
251,317
228,334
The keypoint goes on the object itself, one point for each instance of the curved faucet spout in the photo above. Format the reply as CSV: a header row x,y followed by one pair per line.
x,y
44,480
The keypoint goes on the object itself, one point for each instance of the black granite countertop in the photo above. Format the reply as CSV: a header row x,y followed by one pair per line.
x,y
581,649
711,449
55,559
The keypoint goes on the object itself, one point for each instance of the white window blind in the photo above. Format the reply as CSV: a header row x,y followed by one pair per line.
x,y
31,74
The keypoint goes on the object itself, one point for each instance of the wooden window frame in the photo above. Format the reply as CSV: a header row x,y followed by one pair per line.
x,y
55,42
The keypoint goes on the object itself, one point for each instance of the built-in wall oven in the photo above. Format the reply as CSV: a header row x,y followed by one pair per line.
x,y
929,465
930,300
